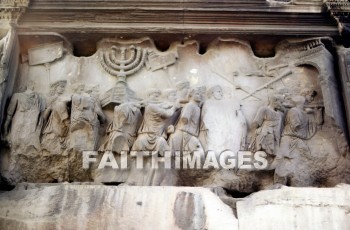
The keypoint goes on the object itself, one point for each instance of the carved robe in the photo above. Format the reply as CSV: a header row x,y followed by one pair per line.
x,y
150,134
56,129
268,133
150,138
123,129
297,128
25,109
294,149
84,125
187,130
225,130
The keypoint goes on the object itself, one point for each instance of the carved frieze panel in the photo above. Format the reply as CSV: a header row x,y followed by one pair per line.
x,y
131,97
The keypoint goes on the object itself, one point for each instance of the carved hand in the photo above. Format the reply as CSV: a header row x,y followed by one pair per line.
x,y
170,129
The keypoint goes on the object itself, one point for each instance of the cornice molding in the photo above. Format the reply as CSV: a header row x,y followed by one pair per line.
x,y
295,17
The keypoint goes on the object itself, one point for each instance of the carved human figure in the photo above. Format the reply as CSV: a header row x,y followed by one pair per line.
x,y
86,114
182,91
122,131
226,130
151,142
182,88
298,128
24,113
170,97
185,138
56,116
267,126
155,116
313,108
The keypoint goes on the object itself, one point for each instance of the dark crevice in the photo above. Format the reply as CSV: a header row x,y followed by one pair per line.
x,y
5,185
112,183
236,194
263,50
202,48
162,45
84,48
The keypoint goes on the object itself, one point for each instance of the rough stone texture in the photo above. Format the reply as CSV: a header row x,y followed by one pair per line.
x,y
88,206
241,91
123,207
296,208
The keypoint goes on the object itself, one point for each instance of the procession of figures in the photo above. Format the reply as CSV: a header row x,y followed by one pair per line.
x,y
185,119
130,101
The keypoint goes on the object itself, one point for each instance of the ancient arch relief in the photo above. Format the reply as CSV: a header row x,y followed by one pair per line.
x,y
129,98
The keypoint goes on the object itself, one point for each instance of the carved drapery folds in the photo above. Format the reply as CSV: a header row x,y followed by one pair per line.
x,y
130,96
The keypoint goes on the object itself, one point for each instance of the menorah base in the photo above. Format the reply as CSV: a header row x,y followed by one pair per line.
x,y
119,94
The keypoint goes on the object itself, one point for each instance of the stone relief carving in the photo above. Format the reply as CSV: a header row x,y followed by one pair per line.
x,y
121,66
45,53
57,120
185,138
24,113
5,49
297,129
11,10
122,131
86,115
283,107
150,135
267,126
234,128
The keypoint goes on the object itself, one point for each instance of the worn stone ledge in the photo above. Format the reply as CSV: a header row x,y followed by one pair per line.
x,y
88,206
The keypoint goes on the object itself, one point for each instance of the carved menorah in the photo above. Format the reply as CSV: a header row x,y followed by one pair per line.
x,y
123,66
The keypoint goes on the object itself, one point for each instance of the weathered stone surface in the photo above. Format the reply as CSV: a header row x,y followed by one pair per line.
x,y
89,206
296,208
122,207
218,104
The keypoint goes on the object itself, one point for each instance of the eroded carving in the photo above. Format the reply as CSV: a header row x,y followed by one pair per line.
x,y
229,122
24,113
298,128
185,138
116,62
57,120
267,126
86,115
285,102
150,136
122,131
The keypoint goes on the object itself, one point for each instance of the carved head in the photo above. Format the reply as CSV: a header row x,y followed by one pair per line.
x,y
183,88
78,88
170,95
275,101
215,92
299,101
154,95
93,90
196,95
58,87
309,94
